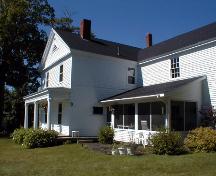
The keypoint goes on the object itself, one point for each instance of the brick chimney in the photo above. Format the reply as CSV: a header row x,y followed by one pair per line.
x,y
148,40
85,29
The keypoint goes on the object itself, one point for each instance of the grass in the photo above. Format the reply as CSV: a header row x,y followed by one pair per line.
x,y
75,160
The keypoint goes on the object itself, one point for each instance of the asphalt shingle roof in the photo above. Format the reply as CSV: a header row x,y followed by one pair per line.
x,y
153,89
99,46
190,38
122,51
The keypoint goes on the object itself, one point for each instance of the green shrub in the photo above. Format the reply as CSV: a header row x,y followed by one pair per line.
x,y
169,143
40,138
106,135
32,138
201,140
19,134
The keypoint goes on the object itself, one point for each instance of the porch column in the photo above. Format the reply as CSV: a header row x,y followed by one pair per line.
x,y
48,113
26,116
136,117
112,119
150,117
168,115
35,114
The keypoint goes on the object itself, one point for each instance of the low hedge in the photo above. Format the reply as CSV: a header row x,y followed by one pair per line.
x,y
170,143
201,139
33,138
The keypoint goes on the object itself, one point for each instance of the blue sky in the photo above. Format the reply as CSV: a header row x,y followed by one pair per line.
x,y
128,21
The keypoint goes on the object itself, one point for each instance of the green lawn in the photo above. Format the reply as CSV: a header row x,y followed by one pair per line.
x,y
74,160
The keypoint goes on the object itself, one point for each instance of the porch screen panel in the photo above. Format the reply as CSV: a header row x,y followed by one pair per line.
x,y
118,113
129,116
143,116
190,115
158,117
177,115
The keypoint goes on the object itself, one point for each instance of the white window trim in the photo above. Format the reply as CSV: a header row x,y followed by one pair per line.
x,y
131,76
61,73
47,80
175,68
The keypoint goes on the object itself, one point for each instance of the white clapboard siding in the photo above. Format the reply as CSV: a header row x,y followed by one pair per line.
x,y
60,51
95,77
101,71
54,74
202,61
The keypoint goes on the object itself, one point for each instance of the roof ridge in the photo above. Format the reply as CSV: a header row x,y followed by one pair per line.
x,y
185,39
95,38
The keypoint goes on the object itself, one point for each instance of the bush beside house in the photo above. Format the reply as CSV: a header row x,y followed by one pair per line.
x,y
170,143
201,140
33,138
106,135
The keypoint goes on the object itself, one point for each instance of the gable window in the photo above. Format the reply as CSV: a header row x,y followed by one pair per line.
x,y
175,69
97,110
61,74
47,79
59,113
131,75
54,48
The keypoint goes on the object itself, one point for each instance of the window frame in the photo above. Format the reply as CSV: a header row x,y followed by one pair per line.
x,y
54,48
61,71
175,67
47,79
131,78
60,107
97,110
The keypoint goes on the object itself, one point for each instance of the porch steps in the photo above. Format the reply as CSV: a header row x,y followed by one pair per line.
x,y
81,139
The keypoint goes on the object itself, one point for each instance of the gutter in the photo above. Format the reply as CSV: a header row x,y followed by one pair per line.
x,y
131,98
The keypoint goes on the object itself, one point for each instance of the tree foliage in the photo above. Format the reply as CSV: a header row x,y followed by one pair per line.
x,y
22,41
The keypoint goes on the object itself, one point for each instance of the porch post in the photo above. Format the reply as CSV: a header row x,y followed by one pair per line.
x,y
150,116
35,114
48,113
168,115
26,116
136,116
112,119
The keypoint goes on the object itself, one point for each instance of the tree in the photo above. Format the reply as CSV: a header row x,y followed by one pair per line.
x,y
208,117
22,41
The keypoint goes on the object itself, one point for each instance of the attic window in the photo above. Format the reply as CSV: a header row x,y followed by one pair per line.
x,y
54,48
175,69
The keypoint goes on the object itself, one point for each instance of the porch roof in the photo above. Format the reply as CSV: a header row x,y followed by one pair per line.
x,y
156,90
52,92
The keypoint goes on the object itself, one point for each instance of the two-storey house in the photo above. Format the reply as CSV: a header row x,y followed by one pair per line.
x,y
87,82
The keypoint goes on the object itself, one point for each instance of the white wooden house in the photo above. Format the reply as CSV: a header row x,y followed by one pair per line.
x,y
89,82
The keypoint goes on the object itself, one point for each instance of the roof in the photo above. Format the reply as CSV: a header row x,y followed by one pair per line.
x,y
155,89
99,46
190,38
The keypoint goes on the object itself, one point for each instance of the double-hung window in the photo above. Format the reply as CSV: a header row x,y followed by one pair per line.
x,y
59,113
175,69
131,75
61,73
47,79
